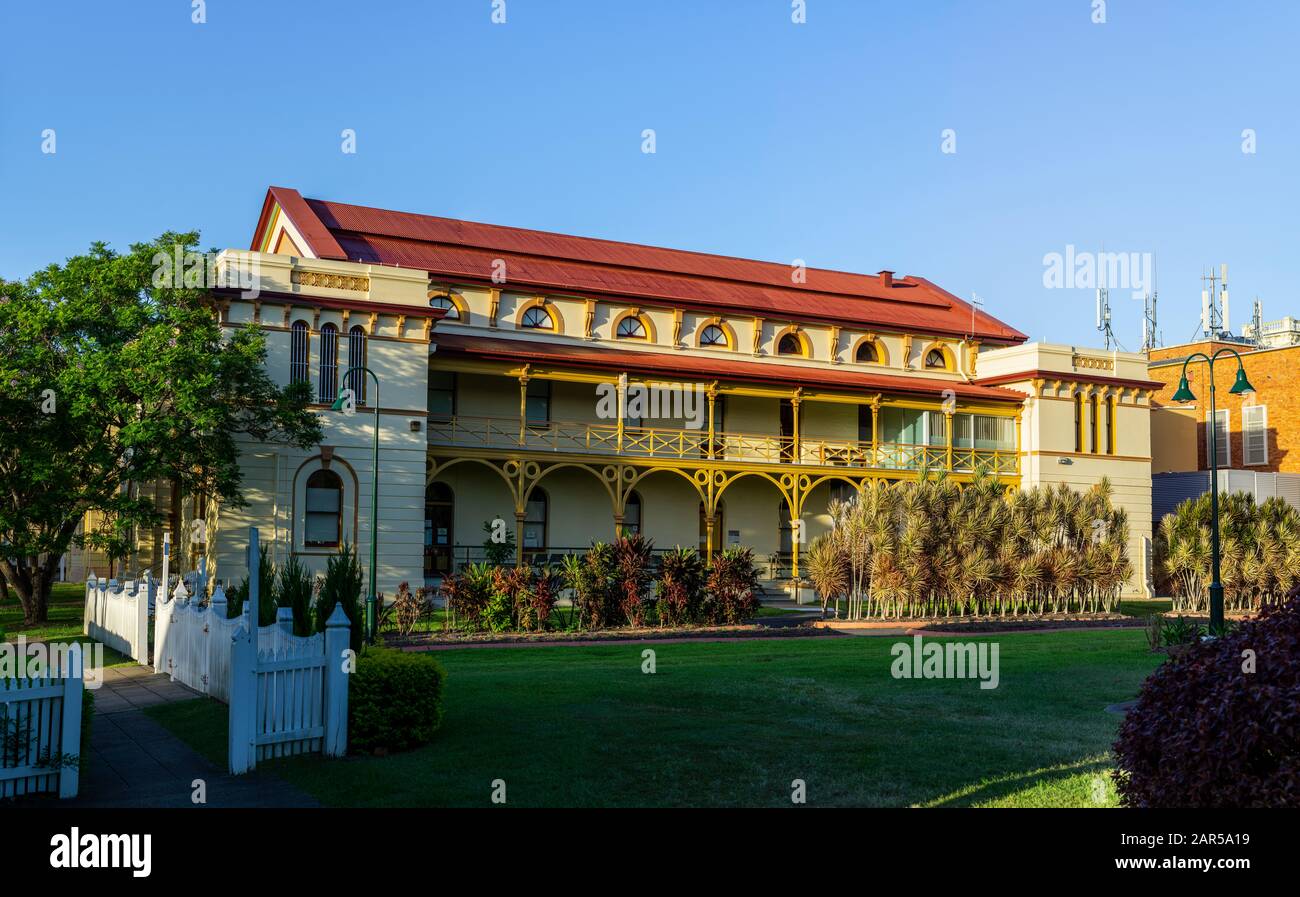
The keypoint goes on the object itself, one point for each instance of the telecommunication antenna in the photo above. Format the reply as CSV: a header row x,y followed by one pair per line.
x,y
1215,321
975,303
1150,327
1103,316
1257,324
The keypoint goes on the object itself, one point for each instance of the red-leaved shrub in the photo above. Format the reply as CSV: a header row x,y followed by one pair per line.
x,y
1219,725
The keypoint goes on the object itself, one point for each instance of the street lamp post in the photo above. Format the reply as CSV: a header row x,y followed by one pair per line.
x,y
1184,394
339,404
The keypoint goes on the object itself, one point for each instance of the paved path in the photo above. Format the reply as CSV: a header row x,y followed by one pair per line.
x,y
135,762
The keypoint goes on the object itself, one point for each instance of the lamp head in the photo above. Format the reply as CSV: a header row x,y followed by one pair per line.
x,y
1184,393
1242,384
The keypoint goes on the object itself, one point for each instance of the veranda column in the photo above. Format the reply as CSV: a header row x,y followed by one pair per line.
x,y
875,431
523,407
519,538
622,408
713,398
947,423
708,536
795,402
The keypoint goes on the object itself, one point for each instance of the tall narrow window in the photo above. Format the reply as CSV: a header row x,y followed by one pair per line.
x,y
787,430
442,396
537,403
299,367
535,515
1078,422
356,378
1222,448
865,429
1254,434
1095,409
1111,415
329,363
784,528
323,524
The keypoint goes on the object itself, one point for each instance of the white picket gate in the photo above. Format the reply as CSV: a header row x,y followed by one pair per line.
x,y
40,720
118,615
288,694
192,641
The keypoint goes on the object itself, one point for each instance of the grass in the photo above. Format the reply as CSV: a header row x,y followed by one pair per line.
x,y
734,723
63,624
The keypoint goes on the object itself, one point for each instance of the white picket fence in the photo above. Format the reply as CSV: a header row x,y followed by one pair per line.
x,y
118,615
287,694
40,720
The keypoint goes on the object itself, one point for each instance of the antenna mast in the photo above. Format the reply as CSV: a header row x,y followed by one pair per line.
x,y
1150,332
1215,322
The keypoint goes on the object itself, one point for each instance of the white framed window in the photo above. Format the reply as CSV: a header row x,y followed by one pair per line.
x,y
1222,445
1254,434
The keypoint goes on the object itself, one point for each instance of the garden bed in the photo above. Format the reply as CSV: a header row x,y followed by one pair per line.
x,y
622,634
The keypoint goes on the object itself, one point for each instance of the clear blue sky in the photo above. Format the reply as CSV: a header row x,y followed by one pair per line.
x,y
774,141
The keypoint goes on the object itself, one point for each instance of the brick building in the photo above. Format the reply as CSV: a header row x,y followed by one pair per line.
x,y
1259,431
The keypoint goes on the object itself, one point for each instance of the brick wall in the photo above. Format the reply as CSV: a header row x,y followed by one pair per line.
x,y
1275,374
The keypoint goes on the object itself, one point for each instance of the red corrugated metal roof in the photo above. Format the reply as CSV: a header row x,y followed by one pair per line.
x,y
466,250
708,368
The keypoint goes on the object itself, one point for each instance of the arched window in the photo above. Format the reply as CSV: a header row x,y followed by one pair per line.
x,y
453,313
632,514
323,524
936,360
866,353
713,335
631,327
537,318
329,363
356,378
299,367
535,515
789,345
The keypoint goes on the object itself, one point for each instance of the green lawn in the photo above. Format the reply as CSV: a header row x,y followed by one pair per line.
x,y
733,723
67,602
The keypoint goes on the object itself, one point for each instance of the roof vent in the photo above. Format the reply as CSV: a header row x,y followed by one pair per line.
x,y
886,279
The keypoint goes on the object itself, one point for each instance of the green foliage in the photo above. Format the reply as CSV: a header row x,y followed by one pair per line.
x,y
267,597
1180,631
680,589
294,592
732,587
394,700
633,556
498,554
342,585
144,385
594,580
1259,550
467,594
828,568
931,548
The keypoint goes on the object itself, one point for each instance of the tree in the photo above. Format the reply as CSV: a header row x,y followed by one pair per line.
x,y
110,378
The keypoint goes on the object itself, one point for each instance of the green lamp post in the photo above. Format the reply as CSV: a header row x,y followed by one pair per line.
x,y
1184,394
339,404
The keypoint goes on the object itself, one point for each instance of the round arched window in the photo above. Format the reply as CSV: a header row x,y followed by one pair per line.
x,y
631,327
713,335
444,302
537,318
789,345
936,359
867,353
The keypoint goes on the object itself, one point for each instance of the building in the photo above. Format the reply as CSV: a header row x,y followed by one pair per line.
x,y
561,388
1273,334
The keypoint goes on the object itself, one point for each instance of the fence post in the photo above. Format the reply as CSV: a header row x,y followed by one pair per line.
x,y
162,653
88,612
140,638
243,701
69,772
283,628
337,667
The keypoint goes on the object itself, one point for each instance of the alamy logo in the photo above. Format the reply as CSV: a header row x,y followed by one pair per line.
x,y
78,851
946,660
1073,270
673,401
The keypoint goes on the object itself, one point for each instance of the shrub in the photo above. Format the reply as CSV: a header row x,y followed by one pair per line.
x,y
266,593
342,585
294,592
680,589
408,608
467,594
1217,726
732,584
497,553
594,580
394,700
632,555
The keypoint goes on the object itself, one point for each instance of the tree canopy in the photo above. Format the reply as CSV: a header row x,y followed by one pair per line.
x,y
111,376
